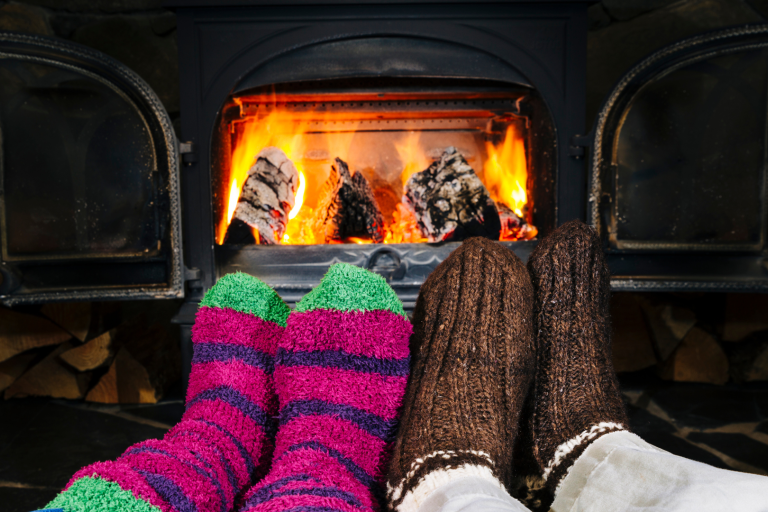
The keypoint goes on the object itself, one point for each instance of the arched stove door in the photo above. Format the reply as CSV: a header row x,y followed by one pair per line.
x,y
678,167
89,201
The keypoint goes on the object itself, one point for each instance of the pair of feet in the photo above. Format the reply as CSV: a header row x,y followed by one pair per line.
x,y
491,340
506,355
286,410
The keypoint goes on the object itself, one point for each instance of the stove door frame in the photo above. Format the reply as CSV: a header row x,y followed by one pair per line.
x,y
659,265
159,272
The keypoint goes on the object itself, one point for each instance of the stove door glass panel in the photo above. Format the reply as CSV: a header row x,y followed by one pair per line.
x,y
690,157
89,200
79,171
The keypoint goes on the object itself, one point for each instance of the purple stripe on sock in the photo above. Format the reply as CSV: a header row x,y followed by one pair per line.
x,y
199,439
325,492
208,352
223,325
358,472
197,469
343,360
239,401
243,452
374,425
254,383
169,491
379,334
370,392
355,443
264,493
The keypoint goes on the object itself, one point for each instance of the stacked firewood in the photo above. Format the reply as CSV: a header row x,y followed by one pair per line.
x,y
84,351
690,341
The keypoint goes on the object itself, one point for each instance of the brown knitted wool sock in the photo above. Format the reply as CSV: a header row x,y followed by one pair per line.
x,y
473,361
576,396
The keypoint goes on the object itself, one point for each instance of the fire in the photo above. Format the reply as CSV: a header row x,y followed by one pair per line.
x,y
412,156
506,171
312,140
299,195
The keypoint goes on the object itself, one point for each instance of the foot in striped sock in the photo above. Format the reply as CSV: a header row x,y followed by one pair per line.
x,y
340,375
224,439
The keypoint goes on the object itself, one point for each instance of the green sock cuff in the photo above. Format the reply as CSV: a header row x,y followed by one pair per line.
x,y
245,293
346,287
92,494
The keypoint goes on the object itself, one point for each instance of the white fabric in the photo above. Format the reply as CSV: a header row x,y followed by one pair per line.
x,y
470,494
619,472
567,447
438,478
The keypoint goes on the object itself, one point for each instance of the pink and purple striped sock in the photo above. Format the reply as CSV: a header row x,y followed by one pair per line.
x,y
340,375
225,437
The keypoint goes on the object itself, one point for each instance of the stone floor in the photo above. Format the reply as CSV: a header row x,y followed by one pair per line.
x,y
42,442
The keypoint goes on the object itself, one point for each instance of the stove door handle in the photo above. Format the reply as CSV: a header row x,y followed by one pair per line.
x,y
389,271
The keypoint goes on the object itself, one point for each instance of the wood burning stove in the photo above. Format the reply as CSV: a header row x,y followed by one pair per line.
x,y
387,88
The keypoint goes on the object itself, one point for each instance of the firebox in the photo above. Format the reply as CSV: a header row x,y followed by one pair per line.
x,y
378,135
380,171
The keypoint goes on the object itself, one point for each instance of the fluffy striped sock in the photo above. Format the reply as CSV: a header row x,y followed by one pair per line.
x,y
340,375
224,439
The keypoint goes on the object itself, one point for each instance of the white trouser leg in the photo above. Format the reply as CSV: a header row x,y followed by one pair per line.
x,y
471,494
621,472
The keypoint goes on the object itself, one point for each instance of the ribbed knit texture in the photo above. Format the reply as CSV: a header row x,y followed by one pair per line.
x,y
340,375
474,358
224,439
576,394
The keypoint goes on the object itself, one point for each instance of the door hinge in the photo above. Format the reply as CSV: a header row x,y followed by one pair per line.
x,y
188,152
193,277
577,148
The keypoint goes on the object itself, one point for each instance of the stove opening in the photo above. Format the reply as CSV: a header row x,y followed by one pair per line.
x,y
338,162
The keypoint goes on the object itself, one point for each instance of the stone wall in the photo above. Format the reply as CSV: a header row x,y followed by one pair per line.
x,y
138,33
622,32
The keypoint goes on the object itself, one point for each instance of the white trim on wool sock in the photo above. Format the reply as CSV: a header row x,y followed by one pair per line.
x,y
416,496
567,447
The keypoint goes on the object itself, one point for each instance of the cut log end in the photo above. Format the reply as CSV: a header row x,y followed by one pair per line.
x,y
266,199
450,202
94,354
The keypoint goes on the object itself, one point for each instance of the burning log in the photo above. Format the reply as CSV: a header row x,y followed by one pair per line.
x,y
513,227
347,208
266,199
510,222
450,202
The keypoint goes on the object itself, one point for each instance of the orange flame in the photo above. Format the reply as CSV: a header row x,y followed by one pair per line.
x,y
506,171
311,140
299,195
411,155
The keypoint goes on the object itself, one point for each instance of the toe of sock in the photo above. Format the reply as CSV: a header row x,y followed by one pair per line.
x,y
245,293
92,494
346,287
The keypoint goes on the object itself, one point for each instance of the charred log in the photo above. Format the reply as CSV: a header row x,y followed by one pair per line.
x,y
347,208
450,202
266,199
